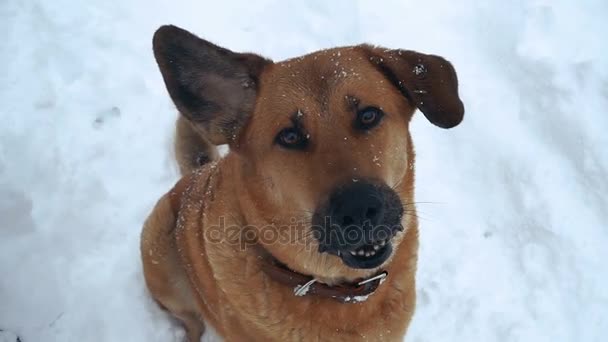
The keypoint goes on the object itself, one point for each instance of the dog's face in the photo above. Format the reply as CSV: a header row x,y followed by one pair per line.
x,y
329,141
323,140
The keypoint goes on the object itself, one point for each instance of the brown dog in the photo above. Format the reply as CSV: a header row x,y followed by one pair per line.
x,y
306,229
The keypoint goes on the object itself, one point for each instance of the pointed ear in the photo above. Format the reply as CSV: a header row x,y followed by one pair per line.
x,y
213,87
428,81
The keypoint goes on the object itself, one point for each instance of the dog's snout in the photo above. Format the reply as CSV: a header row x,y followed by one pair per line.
x,y
358,222
357,205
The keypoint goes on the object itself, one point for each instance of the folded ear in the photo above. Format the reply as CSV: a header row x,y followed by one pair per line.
x,y
428,81
213,87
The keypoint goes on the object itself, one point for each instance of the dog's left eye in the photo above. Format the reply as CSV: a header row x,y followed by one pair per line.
x,y
292,138
368,118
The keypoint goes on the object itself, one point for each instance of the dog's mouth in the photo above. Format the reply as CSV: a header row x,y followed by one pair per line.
x,y
358,222
367,256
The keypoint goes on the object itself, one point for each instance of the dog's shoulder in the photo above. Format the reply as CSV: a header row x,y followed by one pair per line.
x,y
196,187
177,193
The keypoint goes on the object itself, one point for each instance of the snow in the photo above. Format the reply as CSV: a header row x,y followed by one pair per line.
x,y
513,243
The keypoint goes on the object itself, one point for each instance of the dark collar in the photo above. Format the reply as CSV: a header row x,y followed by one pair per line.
x,y
304,285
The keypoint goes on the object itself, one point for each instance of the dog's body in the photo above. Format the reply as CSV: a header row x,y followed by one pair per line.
x,y
204,247
226,286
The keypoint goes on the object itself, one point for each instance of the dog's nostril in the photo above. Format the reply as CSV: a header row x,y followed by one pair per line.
x,y
371,213
347,220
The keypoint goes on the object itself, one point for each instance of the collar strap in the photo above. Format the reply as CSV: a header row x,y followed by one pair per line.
x,y
304,285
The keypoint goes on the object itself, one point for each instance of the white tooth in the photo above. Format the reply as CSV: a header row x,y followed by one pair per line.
x,y
361,252
353,252
383,243
339,253
372,253
376,247
366,254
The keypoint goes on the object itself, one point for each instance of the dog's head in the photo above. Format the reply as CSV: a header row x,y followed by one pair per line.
x,y
322,139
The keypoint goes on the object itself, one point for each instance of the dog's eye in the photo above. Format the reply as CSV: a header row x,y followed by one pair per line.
x,y
368,118
292,138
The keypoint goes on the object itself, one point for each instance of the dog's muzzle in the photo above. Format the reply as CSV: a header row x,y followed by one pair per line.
x,y
358,222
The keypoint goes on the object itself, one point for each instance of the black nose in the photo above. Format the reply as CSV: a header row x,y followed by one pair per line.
x,y
357,223
359,204
357,214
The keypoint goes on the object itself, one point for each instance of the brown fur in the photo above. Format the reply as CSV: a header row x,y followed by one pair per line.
x,y
259,185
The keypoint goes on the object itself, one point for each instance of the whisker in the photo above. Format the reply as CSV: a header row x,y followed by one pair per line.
x,y
412,214
422,202
398,184
302,211
417,211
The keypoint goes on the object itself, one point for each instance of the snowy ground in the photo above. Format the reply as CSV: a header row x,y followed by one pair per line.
x,y
513,249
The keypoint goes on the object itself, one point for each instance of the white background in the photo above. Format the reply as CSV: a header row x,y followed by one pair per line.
x,y
514,247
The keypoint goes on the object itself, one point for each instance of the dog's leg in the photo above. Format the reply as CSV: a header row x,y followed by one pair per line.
x,y
193,325
164,274
192,150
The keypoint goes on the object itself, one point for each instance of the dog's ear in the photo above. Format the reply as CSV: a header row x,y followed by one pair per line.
x,y
213,87
428,81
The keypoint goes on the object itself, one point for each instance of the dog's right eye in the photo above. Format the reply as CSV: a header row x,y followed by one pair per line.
x,y
368,118
292,138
